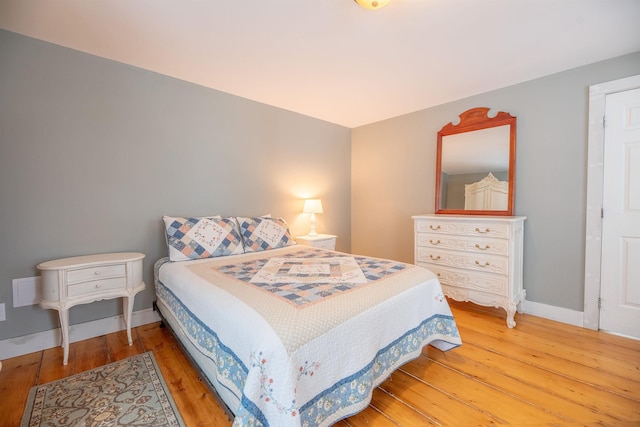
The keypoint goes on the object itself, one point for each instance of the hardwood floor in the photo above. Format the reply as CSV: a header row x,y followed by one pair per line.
x,y
540,373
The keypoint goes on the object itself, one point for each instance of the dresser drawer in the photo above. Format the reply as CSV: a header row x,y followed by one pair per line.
x,y
106,271
463,243
495,230
94,286
485,263
495,284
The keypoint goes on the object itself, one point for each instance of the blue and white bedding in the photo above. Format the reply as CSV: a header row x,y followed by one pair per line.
x,y
300,336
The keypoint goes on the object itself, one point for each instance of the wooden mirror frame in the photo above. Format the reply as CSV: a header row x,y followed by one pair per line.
x,y
471,120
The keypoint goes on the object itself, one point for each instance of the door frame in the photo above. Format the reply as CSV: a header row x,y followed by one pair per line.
x,y
595,189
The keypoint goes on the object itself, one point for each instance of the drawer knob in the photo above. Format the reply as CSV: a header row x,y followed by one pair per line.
x,y
98,285
437,242
437,227
481,248
486,230
486,264
97,272
435,258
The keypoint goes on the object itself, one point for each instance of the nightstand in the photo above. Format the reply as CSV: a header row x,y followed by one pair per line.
x,y
324,241
84,279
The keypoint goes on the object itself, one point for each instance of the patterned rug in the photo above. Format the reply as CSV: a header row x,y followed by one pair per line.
x,y
130,392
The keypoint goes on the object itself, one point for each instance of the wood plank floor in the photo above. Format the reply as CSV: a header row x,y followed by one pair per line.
x,y
540,373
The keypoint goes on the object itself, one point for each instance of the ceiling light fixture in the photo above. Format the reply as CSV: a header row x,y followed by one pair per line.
x,y
373,4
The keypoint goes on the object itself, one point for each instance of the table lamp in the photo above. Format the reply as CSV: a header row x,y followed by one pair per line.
x,y
312,206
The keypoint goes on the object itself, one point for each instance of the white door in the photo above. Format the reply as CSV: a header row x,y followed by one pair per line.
x,y
620,270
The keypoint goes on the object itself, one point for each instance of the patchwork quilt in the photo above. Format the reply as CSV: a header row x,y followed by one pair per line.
x,y
301,336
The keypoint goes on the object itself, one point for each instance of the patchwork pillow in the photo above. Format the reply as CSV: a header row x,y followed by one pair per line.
x,y
261,233
204,237
164,218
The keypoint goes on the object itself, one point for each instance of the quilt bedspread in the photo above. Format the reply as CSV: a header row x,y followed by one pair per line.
x,y
301,336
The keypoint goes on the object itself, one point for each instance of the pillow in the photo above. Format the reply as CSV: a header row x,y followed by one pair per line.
x,y
166,237
261,233
204,237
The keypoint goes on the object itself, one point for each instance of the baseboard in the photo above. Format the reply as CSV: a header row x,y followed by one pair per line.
x,y
39,341
559,314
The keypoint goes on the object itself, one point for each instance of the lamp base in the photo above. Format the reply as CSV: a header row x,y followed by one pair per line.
x,y
312,228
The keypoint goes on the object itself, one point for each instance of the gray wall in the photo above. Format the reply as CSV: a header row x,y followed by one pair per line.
x,y
94,152
393,175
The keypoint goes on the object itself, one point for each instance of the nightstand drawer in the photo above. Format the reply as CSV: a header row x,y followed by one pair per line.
x,y
325,244
322,241
84,274
93,286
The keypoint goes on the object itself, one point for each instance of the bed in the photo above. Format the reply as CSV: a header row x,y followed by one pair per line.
x,y
292,335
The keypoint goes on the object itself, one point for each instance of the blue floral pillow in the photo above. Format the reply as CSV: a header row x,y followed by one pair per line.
x,y
261,233
204,237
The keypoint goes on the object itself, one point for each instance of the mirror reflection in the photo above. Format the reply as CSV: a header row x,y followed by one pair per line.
x,y
475,164
475,169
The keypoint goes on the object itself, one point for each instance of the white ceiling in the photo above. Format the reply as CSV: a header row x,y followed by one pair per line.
x,y
333,60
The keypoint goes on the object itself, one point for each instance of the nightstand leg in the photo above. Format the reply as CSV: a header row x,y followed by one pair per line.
x,y
127,309
64,328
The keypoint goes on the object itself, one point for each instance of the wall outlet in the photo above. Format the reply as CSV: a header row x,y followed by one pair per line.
x,y
26,291
3,316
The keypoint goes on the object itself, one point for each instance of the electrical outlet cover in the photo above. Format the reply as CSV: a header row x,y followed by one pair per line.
x,y
26,291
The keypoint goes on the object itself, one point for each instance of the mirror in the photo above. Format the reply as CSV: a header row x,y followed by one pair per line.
x,y
475,166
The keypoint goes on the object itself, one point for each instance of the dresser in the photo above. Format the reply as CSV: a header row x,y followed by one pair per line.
x,y
476,258
324,241
84,279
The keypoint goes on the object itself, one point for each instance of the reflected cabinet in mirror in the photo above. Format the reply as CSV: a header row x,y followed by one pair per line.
x,y
475,166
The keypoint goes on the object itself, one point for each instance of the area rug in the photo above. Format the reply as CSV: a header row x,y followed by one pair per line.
x,y
130,392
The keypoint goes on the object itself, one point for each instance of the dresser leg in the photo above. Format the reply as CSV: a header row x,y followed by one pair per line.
x,y
64,328
511,312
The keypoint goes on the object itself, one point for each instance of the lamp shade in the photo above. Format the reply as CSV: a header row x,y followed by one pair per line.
x,y
312,206
373,4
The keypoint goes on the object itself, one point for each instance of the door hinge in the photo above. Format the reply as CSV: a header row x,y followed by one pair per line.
x,y
601,212
599,303
604,121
